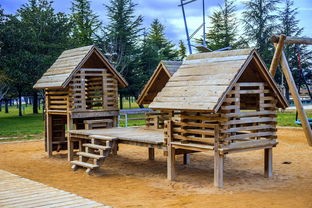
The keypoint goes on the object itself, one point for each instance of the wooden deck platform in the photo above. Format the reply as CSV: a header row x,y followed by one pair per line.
x,y
139,136
131,135
16,191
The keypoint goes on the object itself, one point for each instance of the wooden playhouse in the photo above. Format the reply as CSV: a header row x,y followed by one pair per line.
x,y
224,102
154,85
158,80
81,91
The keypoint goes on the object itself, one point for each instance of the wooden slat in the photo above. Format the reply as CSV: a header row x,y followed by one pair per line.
x,y
20,192
251,120
249,128
250,114
249,135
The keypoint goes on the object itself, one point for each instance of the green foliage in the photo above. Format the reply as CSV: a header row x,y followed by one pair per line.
x,y
33,39
122,34
182,50
85,23
223,30
259,24
290,27
155,47
121,37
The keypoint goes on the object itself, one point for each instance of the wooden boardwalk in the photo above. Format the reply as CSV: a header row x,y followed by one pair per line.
x,y
16,191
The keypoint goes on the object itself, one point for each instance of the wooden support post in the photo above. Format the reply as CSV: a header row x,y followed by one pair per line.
x,y
115,147
49,134
151,153
294,93
277,55
218,161
171,173
218,169
268,166
186,159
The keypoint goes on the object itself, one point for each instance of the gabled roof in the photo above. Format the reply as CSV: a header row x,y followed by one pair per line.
x,y
158,80
203,80
61,72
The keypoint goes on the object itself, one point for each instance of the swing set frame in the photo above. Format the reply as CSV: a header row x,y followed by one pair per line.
x,y
280,58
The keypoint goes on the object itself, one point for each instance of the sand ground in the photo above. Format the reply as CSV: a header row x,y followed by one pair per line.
x,y
130,180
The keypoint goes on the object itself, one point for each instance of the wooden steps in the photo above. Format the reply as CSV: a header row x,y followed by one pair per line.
x,y
95,146
90,155
84,164
93,155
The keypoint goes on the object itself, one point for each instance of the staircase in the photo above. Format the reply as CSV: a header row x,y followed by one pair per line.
x,y
94,154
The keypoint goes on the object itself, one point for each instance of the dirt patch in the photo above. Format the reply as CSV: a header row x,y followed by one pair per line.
x,y
130,180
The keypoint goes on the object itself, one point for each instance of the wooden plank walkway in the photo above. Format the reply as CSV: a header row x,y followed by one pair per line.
x,y
16,191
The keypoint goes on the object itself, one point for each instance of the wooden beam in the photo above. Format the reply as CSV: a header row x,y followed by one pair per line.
x,y
49,134
218,169
277,55
293,40
268,167
294,93
218,161
171,174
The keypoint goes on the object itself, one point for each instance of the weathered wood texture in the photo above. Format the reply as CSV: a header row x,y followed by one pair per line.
x,y
203,80
155,119
277,55
157,81
80,85
93,89
16,191
293,40
61,72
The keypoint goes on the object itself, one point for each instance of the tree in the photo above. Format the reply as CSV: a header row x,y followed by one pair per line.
x,y
121,37
223,30
259,25
155,47
158,46
85,23
182,50
122,33
289,25
33,40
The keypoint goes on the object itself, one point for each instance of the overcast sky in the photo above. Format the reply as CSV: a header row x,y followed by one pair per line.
x,y
169,14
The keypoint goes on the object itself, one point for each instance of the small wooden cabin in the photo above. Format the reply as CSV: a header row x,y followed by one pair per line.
x,y
223,102
157,81
81,88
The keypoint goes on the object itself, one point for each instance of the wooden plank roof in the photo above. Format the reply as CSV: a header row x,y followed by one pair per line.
x,y
157,81
203,80
60,73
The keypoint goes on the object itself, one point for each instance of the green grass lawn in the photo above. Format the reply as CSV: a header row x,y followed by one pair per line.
x,y
29,126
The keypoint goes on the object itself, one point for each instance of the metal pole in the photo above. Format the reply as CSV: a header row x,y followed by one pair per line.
x,y
186,29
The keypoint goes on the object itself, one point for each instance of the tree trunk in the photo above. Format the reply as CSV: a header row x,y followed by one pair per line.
x,y
6,106
0,105
35,102
20,103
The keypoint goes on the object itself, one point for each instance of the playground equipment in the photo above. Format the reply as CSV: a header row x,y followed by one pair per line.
x,y
158,80
81,88
279,57
223,102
